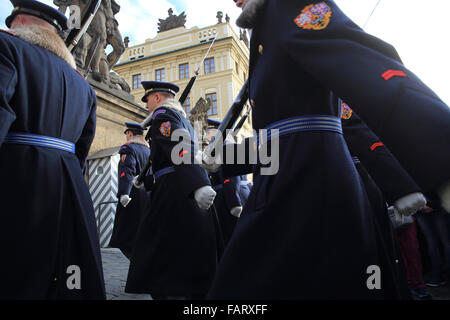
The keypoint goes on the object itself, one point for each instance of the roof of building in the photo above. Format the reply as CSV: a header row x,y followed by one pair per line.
x,y
104,153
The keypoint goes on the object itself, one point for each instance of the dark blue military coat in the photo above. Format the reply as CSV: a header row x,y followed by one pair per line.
x,y
385,181
133,157
368,74
308,231
392,179
48,223
227,198
175,252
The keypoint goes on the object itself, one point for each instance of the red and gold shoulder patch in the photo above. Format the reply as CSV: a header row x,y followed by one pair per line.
x,y
346,111
314,17
165,128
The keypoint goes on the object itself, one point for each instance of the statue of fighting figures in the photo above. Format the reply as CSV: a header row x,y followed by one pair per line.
x,y
90,53
199,119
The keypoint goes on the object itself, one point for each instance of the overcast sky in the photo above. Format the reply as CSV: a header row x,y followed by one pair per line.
x,y
418,29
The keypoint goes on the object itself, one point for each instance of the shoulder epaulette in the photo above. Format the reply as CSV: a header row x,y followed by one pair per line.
x,y
80,74
159,111
6,31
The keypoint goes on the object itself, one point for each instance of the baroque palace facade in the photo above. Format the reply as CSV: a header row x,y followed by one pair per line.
x,y
173,56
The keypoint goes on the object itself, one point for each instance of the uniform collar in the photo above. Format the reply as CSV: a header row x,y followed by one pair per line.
x,y
138,140
249,15
170,104
46,39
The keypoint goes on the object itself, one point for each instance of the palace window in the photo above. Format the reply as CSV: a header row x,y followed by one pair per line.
x,y
187,106
212,98
184,70
160,75
137,81
209,65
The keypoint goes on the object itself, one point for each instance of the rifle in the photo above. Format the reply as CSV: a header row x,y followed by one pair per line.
x,y
230,118
239,125
75,34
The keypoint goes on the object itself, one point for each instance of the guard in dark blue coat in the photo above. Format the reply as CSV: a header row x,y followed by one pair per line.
x,y
397,186
309,230
48,234
132,201
175,253
227,203
386,183
401,110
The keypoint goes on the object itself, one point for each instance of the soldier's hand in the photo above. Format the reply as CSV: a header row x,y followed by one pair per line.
x,y
400,219
125,200
410,204
138,184
444,195
205,197
208,163
236,211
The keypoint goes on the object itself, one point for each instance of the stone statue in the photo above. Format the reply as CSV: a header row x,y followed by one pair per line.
x,y
172,22
199,118
104,31
89,54
227,18
63,4
243,37
126,41
119,83
219,16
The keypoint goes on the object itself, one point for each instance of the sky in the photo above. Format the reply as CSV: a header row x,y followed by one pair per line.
x,y
417,29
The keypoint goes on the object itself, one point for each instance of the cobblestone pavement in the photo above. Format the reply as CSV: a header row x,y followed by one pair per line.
x,y
115,268
440,293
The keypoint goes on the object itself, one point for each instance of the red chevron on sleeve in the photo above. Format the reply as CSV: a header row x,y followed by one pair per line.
x,y
376,145
393,73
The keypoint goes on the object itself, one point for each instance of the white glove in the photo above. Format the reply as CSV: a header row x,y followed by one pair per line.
x,y
400,219
444,194
205,197
410,204
236,211
137,184
125,200
208,162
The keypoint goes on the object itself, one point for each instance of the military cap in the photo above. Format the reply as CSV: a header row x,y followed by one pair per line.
x,y
158,86
40,10
213,123
136,128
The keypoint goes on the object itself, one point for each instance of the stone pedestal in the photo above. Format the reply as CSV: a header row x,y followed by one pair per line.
x,y
114,107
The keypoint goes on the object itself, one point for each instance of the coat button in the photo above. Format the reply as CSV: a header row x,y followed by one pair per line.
x,y
260,49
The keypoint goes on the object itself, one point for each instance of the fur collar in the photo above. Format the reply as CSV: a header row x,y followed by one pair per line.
x,y
138,140
247,19
171,104
46,39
